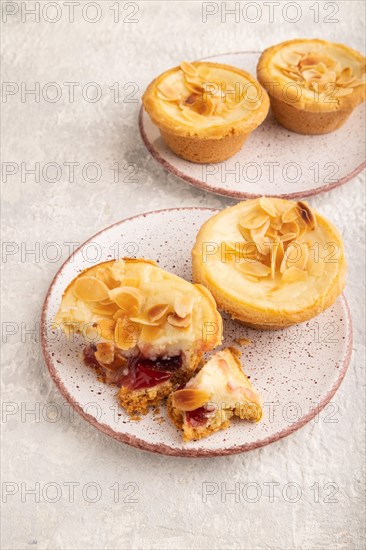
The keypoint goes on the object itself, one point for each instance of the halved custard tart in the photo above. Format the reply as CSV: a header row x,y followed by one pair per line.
x,y
145,329
270,262
313,85
205,111
212,397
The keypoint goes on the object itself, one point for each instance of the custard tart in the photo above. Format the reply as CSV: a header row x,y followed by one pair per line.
x,y
145,329
269,262
212,397
205,111
313,85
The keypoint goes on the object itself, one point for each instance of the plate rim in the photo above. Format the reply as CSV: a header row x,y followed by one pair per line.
x,y
162,448
226,192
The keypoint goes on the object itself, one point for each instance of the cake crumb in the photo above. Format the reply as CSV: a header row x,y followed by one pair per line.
x,y
243,341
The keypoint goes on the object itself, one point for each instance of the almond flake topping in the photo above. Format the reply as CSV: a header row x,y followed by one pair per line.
x,y
90,289
189,399
316,70
128,299
205,97
273,229
175,321
157,312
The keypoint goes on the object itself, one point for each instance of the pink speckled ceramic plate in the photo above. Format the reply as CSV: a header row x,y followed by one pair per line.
x,y
297,370
274,161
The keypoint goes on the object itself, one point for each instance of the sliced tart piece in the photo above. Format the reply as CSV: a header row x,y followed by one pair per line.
x,y
145,329
218,392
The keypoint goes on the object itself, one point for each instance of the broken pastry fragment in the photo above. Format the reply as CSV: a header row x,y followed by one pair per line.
x,y
205,111
313,85
219,392
145,329
270,262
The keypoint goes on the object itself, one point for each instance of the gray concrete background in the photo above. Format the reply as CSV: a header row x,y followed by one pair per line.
x,y
169,509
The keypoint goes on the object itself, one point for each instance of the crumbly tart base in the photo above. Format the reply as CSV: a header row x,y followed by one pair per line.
x,y
221,421
202,151
140,401
307,122
189,432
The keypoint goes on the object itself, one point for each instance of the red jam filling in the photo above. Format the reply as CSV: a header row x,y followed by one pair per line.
x,y
198,417
146,373
138,372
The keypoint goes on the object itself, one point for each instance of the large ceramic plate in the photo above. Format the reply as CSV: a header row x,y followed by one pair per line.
x,y
274,161
297,370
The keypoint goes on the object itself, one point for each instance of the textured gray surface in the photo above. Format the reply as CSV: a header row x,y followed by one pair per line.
x,y
170,509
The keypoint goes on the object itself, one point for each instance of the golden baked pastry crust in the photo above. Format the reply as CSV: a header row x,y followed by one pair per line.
x,y
266,272
217,393
132,309
205,111
313,85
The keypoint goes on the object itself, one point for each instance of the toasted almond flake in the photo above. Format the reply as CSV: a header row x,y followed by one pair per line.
x,y
311,74
168,91
128,299
256,269
291,58
106,275
175,321
290,227
183,305
253,220
118,269
126,334
157,312
189,399
105,353
274,253
306,214
293,275
345,75
107,302
245,233
144,320
188,68
108,310
276,223
296,255
268,206
290,215
90,289
262,229
288,237
106,328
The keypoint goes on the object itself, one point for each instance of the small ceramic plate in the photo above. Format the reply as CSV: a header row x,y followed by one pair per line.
x,y
297,371
274,161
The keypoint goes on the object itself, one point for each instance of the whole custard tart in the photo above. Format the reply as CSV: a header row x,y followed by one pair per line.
x,y
270,262
313,85
205,111
145,329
